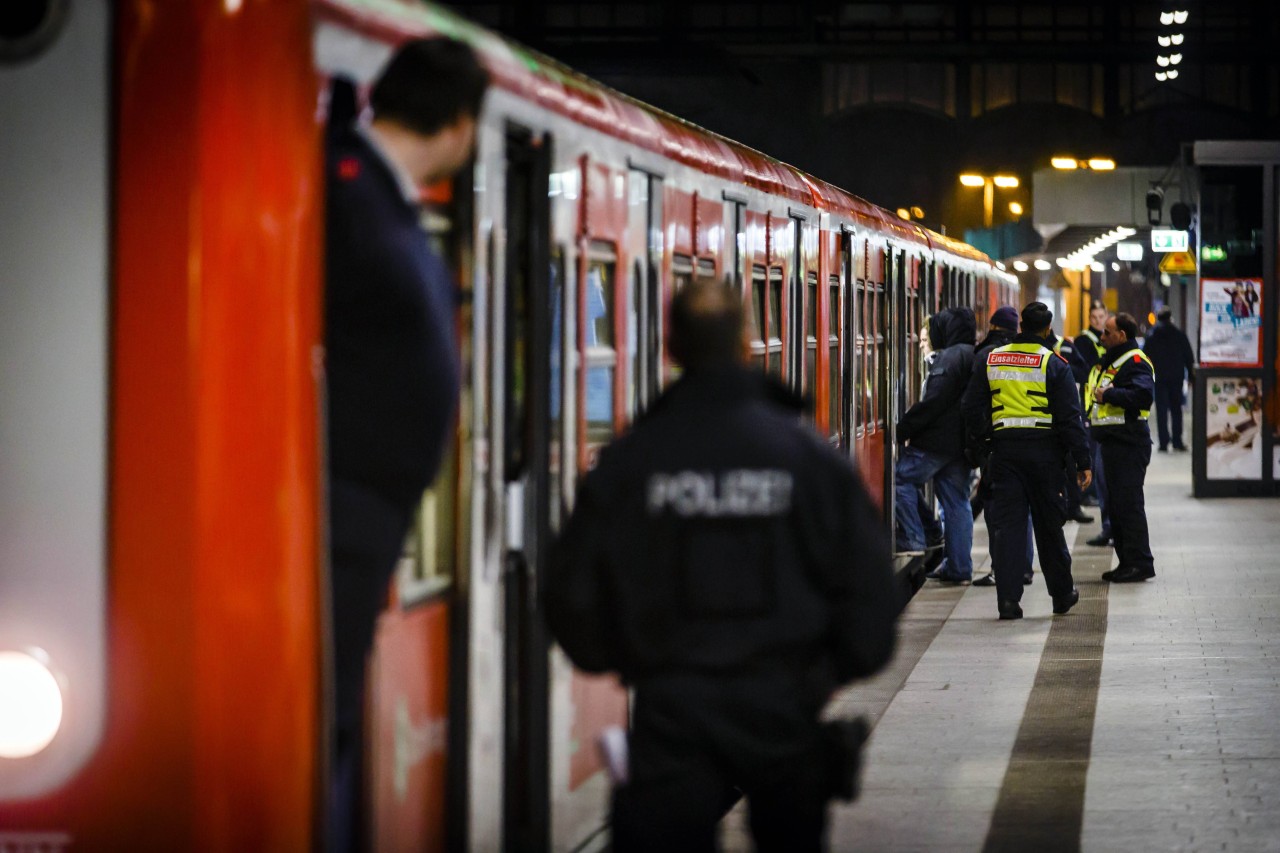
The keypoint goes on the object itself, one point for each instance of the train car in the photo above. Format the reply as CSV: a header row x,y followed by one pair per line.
x,y
161,512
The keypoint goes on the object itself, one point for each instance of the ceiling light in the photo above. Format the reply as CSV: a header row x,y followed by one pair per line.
x,y
1163,40
1102,164
1096,266
1020,266
1000,266
1166,18
1173,74
1015,208
1062,262
972,180
904,213
1178,17
1064,163
1115,266
1175,59
1006,181
1042,264
1161,76
1176,38
1162,61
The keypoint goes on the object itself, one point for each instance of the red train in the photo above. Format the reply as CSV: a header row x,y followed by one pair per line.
x,y
161,536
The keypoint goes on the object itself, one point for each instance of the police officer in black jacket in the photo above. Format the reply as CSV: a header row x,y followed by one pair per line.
x,y
391,354
727,563
1173,361
1024,402
1120,398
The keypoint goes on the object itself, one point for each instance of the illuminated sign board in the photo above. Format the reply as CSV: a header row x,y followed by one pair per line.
x,y
1129,251
1168,240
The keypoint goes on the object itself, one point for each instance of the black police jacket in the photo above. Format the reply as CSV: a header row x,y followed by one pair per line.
x,y
1067,433
721,535
1170,353
1133,389
934,423
390,341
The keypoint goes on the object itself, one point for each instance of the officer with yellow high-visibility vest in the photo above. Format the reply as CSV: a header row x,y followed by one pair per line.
x,y
1120,390
1022,403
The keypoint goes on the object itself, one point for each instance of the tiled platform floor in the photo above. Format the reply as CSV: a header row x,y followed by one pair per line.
x,y
1186,739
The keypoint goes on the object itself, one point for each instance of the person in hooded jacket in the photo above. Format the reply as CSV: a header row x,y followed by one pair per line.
x,y
932,439
727,563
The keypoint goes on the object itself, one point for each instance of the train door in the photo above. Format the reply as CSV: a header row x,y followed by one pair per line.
x,y
644,241
795,340
526,304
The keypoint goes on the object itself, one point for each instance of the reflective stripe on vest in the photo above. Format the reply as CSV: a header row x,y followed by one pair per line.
x,y
1097,344
1105,414
1018,375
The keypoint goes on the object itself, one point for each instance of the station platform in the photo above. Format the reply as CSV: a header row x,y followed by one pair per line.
x,y
1148,718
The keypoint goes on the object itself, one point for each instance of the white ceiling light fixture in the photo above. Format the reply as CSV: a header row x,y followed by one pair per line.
x,y
1042,264
1166,18
1178,17
1173,74
1162,61
1163,41
1175,59
1161,76
1115,266
1176,38
1020,266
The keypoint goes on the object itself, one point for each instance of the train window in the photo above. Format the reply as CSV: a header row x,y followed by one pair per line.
x,y
601,356
758,330
811,303
681,272
739,243
879,365
834,329
775,321
706,268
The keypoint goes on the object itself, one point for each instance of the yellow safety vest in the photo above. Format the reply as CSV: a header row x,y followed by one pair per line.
x,y
1097,344
1018,375
1105,414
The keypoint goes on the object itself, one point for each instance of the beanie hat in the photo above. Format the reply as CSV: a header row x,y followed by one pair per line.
x,y
1006,317
1036,316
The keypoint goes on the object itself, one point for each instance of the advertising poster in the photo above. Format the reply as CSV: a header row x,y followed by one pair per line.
x,y
1233,427
1231,322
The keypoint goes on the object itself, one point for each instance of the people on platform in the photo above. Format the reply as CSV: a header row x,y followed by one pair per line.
x,y
1090,349
1174,364
391,354
729,565
932,448
1025,407
1121,395
1002,329
1065,347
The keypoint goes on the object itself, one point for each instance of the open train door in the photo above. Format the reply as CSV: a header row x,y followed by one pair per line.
x,y
527,306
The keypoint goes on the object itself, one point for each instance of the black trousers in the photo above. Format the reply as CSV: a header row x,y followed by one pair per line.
x,y
1126,466
366,537
1028,475
697,745
1169,413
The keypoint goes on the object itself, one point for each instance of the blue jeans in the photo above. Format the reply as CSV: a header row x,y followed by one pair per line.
x,y
950,477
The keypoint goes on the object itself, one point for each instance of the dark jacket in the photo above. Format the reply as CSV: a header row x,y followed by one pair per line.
x,y
1067,349
721,535
996,337
1133,389
934,422
1087,349
390,342
1170,352
1064,407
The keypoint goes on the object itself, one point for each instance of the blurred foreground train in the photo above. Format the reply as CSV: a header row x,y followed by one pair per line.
x,y
162,627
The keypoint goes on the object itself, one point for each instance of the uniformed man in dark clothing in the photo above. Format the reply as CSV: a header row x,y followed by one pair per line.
x,y
1174,362
1120,406
728,564
1064,347
1025,404
391,353
1088,346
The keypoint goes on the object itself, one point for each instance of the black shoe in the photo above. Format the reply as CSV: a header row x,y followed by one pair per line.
x,y
1180,448
1164,450
954,580
1108,575
1009,609
1132,574
1081,518
1063,603
989,579
1027,578
1102,540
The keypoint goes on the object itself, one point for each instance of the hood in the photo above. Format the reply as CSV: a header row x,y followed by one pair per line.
x,y
938,330
959,326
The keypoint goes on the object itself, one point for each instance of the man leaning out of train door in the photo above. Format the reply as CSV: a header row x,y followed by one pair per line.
x,y
933,439
729,565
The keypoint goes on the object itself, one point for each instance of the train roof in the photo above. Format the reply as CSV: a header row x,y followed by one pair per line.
x,y
556,87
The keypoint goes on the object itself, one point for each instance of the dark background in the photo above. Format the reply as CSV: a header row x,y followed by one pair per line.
x,y
892,101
